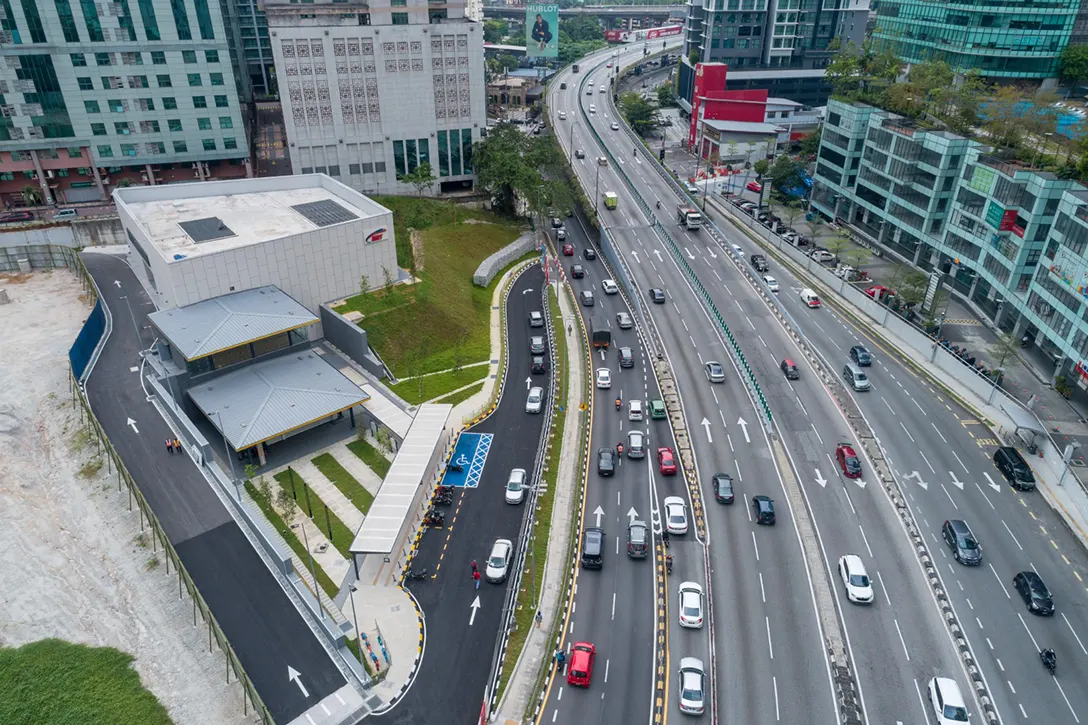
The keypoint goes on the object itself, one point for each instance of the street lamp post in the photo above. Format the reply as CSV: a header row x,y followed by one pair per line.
x,y
230,459
355,620
570,155
596,189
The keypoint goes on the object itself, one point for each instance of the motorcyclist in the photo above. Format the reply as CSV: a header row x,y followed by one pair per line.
x,y
668,563
665,537
1050,660
658,203
619,448
619,403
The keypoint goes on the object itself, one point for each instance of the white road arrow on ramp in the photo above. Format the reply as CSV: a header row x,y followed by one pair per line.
x,y
955,481
598,512
602,354
706,426
294,676
918,477
690,255
527,291
993,485
711,251
118,283
658,253
475,607
132,424
820,479
635,255
860,482
632,514
744,426
528,383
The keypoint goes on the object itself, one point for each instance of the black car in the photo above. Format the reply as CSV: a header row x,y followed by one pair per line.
x,y
593,548
627,359
723,488
789,369
577,271
657,296
764,508
606,461
1014,468
539,366
759,262
589,254
861,356
965,549
556,222
1034,592
579,154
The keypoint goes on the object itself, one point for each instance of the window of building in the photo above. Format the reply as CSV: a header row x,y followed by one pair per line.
x,y
158,57
91,107
212,56
180,147
151,23
118,106
466,143
221,102
443,154
200,102
204,124
105,151
122,128
111,82
181,19
204,20
216,79
67,21
353,169
400,18
169,103
98,129
188,56
85,84
209,144
103,59
94,26
128,149
138,82
149,127
163,81
174,124
132,58
62,172
194,80
78,60
230,143
225,122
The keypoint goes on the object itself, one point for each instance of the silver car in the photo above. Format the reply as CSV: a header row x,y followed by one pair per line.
x,y
535,401
636,444
498,563
515,486
715,373
623,320
692,683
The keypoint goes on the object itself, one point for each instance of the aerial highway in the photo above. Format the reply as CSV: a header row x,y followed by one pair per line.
x,y
940,454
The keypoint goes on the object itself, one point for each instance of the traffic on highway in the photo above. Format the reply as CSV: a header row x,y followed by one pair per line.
x,y
801,572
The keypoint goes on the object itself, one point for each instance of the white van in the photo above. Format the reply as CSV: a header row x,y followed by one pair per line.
x,y
634,410
810,298
61,214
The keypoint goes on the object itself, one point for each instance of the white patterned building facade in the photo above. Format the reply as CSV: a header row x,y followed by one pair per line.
x,y
368,103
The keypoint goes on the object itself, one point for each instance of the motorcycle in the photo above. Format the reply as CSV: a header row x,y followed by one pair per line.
x,y
433,518
454,467
668,563
619,404
446,500
416,575
1050,660
443,490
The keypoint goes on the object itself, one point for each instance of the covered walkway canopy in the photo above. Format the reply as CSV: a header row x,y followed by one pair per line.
x,y
422,446
1027,425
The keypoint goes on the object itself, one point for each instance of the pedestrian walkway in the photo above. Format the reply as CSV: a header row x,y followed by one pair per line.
x,y
354,465
339,504
539,645
447,370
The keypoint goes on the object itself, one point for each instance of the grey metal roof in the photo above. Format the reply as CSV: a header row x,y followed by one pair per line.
x,y
741,126
207,229
206,327
325,212
269,399
423,446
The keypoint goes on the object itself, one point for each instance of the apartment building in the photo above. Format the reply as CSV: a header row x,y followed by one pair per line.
x,y
371,90
1012,238
96,95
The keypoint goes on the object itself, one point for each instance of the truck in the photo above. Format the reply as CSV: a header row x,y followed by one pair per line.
x,y
600,334
611,201
688,217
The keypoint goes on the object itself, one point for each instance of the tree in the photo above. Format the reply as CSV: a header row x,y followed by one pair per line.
x,y
1073,67
1003,349
791,212
507,62
761,167
364,284
855,72
422,178
581,28
912,289
666,96
287,505
265,489
785,173
810,144
495,31
693,57
640,113
32,195
387,282
858,255
837,245
520,170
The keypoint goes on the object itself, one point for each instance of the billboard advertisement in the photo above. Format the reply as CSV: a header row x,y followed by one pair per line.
x,y
634,36
542,31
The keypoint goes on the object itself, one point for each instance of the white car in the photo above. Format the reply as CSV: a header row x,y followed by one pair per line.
x,y
604,89
634,410
562,115
859,589
947,701
692,683
498,563
515,486
676,515
535,401
592,108
610,287
691,605
615,126
822,255
714,372
737,250
604,378
772,283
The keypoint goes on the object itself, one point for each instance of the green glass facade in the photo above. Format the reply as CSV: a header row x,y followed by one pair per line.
x,y
998,39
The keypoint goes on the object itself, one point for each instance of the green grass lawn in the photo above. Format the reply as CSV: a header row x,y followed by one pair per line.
x,y
444,319
431,386
420,214
462,395
371,456
61,683
342,536
288,534
344,481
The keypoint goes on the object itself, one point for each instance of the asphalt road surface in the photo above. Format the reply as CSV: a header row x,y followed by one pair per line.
x,y
452,677
264,628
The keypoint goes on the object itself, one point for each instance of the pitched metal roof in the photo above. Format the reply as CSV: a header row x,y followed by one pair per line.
x,y
209,326
269,399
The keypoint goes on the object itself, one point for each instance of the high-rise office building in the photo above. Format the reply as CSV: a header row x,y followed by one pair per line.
x,y
1001,40
92,93
256,46
371,90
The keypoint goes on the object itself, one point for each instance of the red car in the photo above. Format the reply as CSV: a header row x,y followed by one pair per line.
x,y
568,250
879,292
666,460
580,670
755,186
848,460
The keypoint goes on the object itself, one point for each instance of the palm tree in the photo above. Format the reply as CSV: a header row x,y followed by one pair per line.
x,y
32,195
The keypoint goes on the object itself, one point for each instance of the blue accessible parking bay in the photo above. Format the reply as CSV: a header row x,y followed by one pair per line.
x,y
470,454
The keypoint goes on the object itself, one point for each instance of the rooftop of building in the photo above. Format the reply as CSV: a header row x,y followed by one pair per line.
x,y
189,220
220,323
783,102
741,126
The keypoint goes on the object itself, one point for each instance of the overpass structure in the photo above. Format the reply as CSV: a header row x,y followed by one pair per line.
x,y
613,11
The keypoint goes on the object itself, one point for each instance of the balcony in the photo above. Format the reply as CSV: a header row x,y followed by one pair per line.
x,y
901,125
1009,168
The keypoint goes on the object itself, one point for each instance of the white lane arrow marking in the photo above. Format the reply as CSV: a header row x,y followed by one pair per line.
x,y
118,283
475,607
993,485
598,512
711,251
860,482
632,514
918,477
658,253
294,676
706,426
528,383
744,426
820,479
690,255
527,291
634,254
132,424
602,354
955,481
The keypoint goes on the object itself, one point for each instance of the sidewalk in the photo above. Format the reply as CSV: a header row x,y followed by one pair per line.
x,y
539,644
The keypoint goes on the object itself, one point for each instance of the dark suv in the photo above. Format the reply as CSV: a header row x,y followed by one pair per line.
x,y
627,360
957,534
723,488
606,461
764,509
1034,593
861,356
1014,468
593,548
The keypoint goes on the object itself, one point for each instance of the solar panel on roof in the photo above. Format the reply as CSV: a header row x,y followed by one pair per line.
x,y
325,212
206,230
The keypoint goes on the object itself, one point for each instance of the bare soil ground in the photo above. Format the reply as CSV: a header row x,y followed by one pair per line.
x,y
72,560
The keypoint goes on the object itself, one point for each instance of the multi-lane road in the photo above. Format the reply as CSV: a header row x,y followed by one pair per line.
x,y
770,662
